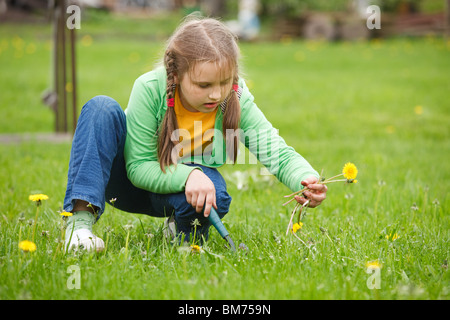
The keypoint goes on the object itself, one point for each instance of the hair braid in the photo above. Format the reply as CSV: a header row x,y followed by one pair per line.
x,y
167,147
170,69
231,120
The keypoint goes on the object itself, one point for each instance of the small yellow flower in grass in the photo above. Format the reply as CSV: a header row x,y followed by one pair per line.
x,y
86,41
350,171
27,246
296,227
392,237
418,110
66,214
195,248
38,197
373,264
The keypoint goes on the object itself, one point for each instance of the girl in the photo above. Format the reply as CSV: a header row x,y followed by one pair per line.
x,y
160,156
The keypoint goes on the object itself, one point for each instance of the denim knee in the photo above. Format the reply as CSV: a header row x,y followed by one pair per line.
x,y
99,136
104,108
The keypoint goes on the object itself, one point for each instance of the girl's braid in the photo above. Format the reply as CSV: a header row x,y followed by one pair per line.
x,y
166,145
170,69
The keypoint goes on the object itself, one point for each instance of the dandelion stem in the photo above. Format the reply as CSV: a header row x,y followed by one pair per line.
x,y
376,203
126,245
296,192
293,213
106,243
300,240
289,201
292,217
70,238
35,223
62,239
57,250
20,233
329,179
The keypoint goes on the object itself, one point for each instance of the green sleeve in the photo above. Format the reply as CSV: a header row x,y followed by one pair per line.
x,y
263,140
140,152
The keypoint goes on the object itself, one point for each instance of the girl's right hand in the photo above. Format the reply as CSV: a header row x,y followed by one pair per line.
x,y
200,192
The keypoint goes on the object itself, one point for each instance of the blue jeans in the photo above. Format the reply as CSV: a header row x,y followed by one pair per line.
x,y
97,172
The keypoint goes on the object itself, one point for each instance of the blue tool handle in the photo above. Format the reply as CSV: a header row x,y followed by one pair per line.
x,y
217,223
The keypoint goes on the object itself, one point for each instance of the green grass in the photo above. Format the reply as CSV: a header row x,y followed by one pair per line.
x,y
333,102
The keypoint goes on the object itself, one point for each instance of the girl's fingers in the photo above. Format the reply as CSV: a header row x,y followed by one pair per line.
x,y
189,198
319,187
316,194
194,200
200,202
200,192
318,197
209,202
300,199
309,180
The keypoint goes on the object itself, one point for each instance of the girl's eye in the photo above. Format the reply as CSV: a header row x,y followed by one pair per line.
x,y
203,85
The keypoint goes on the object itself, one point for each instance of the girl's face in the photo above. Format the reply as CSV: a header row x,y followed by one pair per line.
x,y
205,87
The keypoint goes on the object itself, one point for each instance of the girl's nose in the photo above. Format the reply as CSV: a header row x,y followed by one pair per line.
x,y
215,93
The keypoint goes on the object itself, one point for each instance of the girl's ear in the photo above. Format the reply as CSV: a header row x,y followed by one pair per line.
x,y
175,78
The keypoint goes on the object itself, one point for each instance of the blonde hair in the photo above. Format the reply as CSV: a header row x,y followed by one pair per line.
x,y
199,40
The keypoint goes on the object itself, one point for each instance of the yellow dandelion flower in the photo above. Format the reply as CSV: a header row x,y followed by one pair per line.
x,y
373,264
66,214
390,129
27,246
86,41
392,237
418,110
350,171
195,248
38,197
296,227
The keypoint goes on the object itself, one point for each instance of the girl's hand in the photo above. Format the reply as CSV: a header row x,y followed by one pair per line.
x,y
200,192
316,194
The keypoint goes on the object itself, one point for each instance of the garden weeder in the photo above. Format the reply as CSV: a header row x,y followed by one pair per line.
x,y
217,223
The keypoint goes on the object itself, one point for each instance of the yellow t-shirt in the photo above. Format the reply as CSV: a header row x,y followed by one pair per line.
x,y
196,129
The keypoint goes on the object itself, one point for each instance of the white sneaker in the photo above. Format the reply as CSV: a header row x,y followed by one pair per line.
x,y
170,229
79,233
85,239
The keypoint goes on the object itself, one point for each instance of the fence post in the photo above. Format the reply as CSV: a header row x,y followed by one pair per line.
x,y
65,90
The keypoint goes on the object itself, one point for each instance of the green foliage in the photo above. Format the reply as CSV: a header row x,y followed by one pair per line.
x,y
294,8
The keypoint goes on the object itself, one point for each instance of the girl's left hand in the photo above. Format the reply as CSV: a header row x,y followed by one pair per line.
x,y
316,194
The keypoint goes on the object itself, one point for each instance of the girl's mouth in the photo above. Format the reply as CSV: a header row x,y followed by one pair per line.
x,y
211,105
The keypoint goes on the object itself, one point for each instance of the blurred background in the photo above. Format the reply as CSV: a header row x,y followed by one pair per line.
x,y
253,19
62,68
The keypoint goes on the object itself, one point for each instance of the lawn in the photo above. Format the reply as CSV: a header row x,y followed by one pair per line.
x,y
381,104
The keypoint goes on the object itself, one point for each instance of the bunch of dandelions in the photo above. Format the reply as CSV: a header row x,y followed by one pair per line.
x,y
37,198
349,172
